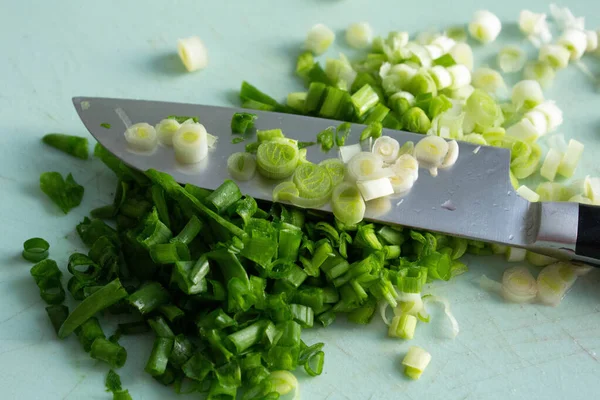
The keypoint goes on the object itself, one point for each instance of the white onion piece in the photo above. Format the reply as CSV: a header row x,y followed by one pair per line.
x,y
554,281
407,162
490,285
511,59
141,137
190,143
518,285
387,148
575,41
402,181
366,166
551,163
241,166
165,130
488,80
461,75
452,155
463,54
571,158
515,254
553,114
441,77
376,188
434,51
485,26
318,39
192,53
359,35
528,194
431,151
413,306
347,152
444,42
428,299
527,93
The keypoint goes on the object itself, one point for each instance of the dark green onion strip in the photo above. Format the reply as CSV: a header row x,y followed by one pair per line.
x,y
242,122
35,249
72,145
65,193
47,277
109,352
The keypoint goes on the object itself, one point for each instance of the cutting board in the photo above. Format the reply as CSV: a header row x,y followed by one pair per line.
x,y
52,51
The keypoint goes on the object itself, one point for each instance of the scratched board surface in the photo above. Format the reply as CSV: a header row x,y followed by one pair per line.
x,y
52,51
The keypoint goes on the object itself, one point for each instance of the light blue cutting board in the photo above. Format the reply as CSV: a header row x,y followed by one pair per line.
x,y
53,50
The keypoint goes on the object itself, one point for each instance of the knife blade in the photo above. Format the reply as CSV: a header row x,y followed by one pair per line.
x,y
473,199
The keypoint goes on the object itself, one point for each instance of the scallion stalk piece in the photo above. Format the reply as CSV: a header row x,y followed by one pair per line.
x,y
511,59
190,143
319,38
485,26
141,137
403,327
554,281
65,193
47,277
347,204
570,159
326,138
242,122
109,352
35,249
192,53
387,148
73,145
166,129
277,159
415,362
518,285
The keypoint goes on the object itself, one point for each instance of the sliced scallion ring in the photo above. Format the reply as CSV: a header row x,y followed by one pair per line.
x,y
35,249
277,159
452,155
485,26
511,59
406,162
571,158
190,143
285,191
165,130
375,188
241,166
402,181
431,151
141,137
415,362
488,80
518,285
554,281
336,170
347,204
387,148
313,181
527,93
365,166
192,53
347,152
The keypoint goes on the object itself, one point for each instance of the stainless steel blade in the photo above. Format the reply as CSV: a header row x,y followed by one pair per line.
x,y
472,199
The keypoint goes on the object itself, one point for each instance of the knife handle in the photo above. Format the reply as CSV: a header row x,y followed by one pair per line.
x,y
588,232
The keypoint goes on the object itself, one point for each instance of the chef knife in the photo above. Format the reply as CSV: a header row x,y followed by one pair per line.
x,y
473,199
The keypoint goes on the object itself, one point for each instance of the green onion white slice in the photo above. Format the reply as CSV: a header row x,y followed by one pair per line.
x,y
499,248
511,59
441,76
518,285
434,51
551,163
404,95
319,38
539,71
277,159
539,260
336,169
575,41
581,199
571,158
407,148
527,93
451,156
463,54
534,26
555,55
592,41
366,166
554,281
190,143
403,327
375,188
444,42
538,120
387,148
313,182
528,194
553,114
165,130
515,254
402,181
488,80
485,26
359,35
408,303
565,19
347,152
192,53
592,189
407,162
415,362
461,76
285,191
431,151
241,166
347,204
141,137
283,382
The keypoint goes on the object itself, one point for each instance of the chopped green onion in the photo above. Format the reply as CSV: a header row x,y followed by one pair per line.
x,y
65,193
403,327
335,168
415,362
463,54
169,253
149,297
161,351
457,33
190,143
312,181
528,194
105,125
376,188
359,35
416,120
284,382
296,101
47,277
515,254
366,166
570,159
109,352
347,152
485,26
341,133
364,99
319,38
165,130
555,55
387,148
242,122
518,285
511,59
241,166
277,159
347,204
88,332
57,313
488,80
431,151
184,118
574,40
141,137
73,145
539,71
192,53
35,249
554,281
326,138
373,130
539,260
551,163
304,64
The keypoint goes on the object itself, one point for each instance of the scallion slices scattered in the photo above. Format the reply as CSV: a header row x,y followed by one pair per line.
x,y
193,53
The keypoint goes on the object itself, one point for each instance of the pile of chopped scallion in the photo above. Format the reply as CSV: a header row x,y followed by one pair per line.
x,y
226,285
